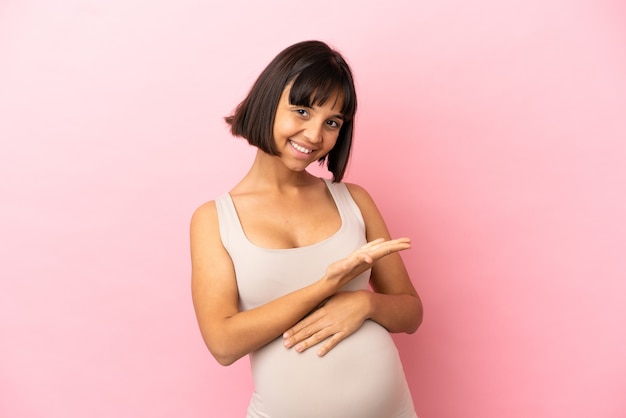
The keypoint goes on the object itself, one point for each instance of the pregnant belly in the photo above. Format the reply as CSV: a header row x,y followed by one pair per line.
x,y
361,377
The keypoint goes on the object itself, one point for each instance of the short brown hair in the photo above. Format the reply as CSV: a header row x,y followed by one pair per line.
x,y
316,72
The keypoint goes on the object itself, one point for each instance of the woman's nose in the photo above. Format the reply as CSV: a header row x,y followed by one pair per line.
x,y
313,132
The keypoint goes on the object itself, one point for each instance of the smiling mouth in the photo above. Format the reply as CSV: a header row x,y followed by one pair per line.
x,y
300,148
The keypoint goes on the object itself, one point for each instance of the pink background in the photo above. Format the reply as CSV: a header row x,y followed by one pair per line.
x,y
493,133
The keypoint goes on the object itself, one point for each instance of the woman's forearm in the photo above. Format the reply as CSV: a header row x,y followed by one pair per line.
x,y
233,337
397,313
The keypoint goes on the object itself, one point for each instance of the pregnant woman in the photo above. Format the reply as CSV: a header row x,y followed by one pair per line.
x,y
298,271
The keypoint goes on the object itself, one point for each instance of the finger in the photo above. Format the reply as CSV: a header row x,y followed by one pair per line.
x,y
382,241
372,243
298,337
305,322
395,243
304,329
330,344
312,340
295,329
389,247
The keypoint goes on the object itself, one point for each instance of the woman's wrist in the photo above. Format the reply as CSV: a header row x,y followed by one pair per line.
x,y
368,301
326,287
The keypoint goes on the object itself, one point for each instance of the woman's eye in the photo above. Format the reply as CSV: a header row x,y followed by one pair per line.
x,y
333,123
302,112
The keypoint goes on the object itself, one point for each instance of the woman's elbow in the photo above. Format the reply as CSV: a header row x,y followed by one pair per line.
x,y
223,355
418,318
225,360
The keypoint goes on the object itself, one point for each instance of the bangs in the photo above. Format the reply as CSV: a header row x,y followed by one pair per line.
x,y
317,84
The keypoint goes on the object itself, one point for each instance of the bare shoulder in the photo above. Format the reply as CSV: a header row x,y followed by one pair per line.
x,y
204,228
362,198
212,271
204,214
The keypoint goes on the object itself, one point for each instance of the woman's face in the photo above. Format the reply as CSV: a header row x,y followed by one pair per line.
x,y
306,134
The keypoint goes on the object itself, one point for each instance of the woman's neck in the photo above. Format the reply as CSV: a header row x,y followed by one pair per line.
x,y
269,173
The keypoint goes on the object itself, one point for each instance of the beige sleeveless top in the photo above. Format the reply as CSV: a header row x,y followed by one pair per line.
x,y
362,376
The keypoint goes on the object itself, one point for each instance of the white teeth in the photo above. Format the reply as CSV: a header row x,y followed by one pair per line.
x,y
300,148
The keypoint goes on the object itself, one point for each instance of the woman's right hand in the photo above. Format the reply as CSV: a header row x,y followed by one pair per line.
x,y
346,269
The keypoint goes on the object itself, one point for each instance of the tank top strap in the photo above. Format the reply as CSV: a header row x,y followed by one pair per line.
x,y
231,230
348,209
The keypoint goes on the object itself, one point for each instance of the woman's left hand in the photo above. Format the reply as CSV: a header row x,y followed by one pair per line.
x,y
339,317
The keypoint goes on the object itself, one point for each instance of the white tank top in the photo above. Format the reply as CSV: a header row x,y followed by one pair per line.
x,y
362,376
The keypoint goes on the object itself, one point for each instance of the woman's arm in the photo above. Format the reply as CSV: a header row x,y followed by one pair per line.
x,y
230,334
394,303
